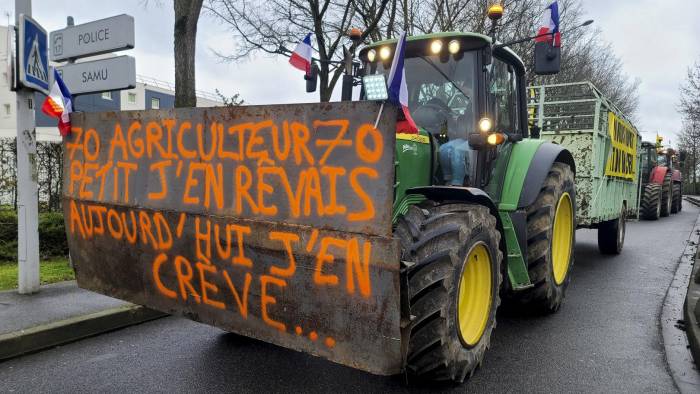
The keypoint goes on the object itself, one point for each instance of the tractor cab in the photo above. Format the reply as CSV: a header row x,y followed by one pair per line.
x,y
465,95
648,159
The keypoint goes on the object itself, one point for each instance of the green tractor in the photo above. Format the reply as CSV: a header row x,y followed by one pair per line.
x,y
278,222
484,210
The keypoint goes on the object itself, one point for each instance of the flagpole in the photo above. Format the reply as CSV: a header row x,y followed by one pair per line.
x,y
379,115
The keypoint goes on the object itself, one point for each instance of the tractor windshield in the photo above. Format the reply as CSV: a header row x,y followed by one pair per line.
x,y
441,92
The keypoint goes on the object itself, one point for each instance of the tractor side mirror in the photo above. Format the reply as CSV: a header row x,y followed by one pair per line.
x,y
547,58
312,78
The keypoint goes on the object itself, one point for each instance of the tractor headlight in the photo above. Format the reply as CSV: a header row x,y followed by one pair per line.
x,y
436,46
495,139
384,53
453,46
371,55
485,125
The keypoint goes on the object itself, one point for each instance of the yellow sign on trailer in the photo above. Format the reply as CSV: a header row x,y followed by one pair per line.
x,y
622,162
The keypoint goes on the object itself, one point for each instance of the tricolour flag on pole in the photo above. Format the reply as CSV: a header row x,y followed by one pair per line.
x,y
398,90
549,26
59,104
301,57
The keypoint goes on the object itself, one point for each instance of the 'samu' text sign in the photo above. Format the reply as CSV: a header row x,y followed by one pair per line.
x,y
93,38
113,73
270,221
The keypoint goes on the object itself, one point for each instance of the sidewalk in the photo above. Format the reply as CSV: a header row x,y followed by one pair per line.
x,y
58,314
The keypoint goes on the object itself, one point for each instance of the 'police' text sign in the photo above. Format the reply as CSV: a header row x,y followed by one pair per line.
x,y
93,38
114,73
33,55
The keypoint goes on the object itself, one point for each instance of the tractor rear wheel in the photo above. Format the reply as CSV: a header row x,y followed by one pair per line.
x,y
611,234
453,276
551,226
666,196
677,199
650,206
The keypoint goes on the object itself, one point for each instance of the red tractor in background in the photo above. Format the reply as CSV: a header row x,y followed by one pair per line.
x,y
661,182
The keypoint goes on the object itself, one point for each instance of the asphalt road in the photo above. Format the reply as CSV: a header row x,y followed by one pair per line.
x,y
606,338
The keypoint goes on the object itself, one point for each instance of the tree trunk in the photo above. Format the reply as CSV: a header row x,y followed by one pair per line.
x,y
185,34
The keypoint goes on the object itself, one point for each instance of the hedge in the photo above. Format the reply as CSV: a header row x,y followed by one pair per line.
x,y
52,235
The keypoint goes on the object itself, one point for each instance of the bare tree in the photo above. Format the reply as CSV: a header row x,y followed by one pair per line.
x,y
689,142
273,26
690,94
185,37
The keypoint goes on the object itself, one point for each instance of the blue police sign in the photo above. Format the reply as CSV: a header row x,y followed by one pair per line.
x,y
33,55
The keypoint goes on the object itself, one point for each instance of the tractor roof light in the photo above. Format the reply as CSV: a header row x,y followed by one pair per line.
x,y
495,11
485,124
384,53
371,55
453,46
496,139
436,46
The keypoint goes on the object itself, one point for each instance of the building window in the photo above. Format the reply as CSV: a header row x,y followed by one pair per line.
x,y
8,110
155,103
107,95
132,98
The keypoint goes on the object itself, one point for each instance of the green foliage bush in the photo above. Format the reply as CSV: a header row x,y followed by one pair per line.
x,y
52,235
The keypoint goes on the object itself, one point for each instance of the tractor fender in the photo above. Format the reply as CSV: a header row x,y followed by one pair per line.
x,y
658,174
545,156
676,176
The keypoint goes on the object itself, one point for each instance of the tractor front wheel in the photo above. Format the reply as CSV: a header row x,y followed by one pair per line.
x,y
650,207
666,196
453,276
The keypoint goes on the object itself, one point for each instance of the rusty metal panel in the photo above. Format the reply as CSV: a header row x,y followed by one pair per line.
x,y
270,221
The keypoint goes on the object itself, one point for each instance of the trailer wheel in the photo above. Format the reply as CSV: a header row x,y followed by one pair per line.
x,y
650,206
611,234
551,226
453,287
677,199
666,196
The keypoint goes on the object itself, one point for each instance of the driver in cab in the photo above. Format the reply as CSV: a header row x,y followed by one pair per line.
x,y
448,114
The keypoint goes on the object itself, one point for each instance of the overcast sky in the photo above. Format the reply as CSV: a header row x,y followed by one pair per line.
x,y
656,39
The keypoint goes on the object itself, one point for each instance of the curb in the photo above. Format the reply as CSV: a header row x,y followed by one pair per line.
x,y
691,311
678,357
48,335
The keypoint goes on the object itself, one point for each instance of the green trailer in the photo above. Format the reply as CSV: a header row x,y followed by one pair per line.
x,y
605,146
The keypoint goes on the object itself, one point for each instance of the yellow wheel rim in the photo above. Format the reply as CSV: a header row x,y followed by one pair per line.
x,y
475,288
562,238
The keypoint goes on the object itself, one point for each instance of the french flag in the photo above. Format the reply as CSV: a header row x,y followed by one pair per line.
x,y
59,104
301,57
398,90
549,28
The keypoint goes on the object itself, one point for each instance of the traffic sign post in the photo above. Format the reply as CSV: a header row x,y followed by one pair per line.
x,y
32,74
114,73
33,55
93,38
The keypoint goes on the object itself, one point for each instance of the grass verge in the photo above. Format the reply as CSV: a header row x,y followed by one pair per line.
x,y
50,271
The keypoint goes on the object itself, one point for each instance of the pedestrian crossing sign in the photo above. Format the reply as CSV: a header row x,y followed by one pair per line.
x,y
33,55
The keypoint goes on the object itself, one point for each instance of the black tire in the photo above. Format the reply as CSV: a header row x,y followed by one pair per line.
x,y
611,234
677,198
650,206
666,196
546,295
436,239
